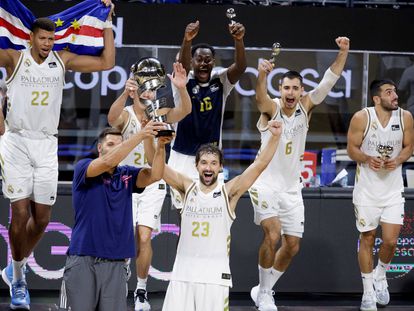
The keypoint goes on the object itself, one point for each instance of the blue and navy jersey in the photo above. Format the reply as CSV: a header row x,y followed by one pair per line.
x,y
103,212
204,124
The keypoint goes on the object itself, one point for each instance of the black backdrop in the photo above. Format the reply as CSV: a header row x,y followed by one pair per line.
x,y
295,27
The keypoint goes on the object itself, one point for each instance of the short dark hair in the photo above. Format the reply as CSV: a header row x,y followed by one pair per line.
x,y
202,46
209,148
108,131
291,74
43,23
375,86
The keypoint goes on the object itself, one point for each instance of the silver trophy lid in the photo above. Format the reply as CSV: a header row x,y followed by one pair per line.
x,y
149,74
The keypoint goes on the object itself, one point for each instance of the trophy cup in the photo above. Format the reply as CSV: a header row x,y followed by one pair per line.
x,y
275,52
385,151
230,13
150,76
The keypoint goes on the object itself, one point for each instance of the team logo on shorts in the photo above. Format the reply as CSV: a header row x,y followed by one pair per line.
x,y
362,222
264,205
52,198
10,189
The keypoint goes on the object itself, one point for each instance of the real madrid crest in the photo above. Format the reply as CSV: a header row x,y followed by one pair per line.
x,y
196,89
10,188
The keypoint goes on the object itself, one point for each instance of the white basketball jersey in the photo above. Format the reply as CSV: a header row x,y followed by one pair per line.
x,y
137,156
283,172
383,187
35,95
204,246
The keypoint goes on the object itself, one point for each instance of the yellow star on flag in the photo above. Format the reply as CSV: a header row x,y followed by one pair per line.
x,y
73,38
59,22
75,24
67,48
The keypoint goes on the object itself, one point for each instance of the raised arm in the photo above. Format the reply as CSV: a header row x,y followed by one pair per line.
x,y
190,33
235,71
316,96
148,176
240,184
264,103
179,80
173,178
85,63
9,59
408,140
355,136
117,116
113,157
2,126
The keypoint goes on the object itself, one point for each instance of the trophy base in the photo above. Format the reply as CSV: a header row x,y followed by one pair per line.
x,y
165,133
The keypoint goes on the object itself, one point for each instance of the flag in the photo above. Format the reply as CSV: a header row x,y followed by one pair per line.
x,y
79,29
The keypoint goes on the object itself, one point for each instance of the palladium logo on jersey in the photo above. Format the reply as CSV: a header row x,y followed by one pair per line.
x,y
211,211
40,81
294,131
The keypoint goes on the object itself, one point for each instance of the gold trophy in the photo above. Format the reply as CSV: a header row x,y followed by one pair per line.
x,y
275,52
230,13
150,76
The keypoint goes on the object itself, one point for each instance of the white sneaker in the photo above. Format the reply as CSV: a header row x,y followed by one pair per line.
x,y
381,291
253,294
141,300
265,301
368,302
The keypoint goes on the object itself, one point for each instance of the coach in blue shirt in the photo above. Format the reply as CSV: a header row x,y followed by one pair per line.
x,y
102,238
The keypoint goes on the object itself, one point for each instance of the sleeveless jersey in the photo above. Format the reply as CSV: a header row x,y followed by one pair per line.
x,y
204,245
283,172
204,124
35,95
383,187
137,156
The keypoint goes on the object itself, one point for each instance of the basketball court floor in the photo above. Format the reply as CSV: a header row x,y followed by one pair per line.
x,y
48,301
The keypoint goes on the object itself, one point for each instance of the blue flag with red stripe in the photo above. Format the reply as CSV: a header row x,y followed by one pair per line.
x,y
79,29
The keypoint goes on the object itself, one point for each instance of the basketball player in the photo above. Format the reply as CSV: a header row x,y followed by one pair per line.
x,y
201,275
276,195
148,204
380,139
209,88
29,146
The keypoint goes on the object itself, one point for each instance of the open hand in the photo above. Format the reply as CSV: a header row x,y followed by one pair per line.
x,y
179,76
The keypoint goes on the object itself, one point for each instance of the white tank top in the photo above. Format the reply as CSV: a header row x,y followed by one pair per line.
x,y
35,95
383,187
204,245
137,156
283,172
